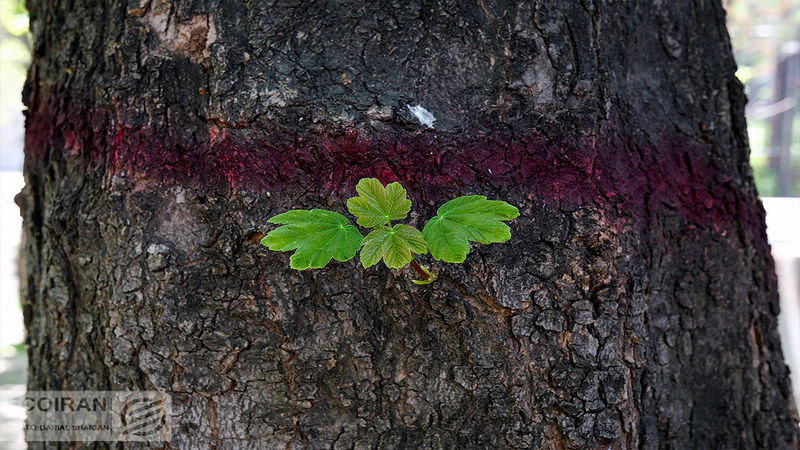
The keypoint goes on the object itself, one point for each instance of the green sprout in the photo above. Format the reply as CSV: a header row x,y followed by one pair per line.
x,y
319,235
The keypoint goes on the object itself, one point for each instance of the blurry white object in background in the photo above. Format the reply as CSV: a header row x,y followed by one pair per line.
x,y
783,223
12,363
11,330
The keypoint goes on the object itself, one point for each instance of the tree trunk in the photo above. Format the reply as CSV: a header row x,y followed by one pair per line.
x,y
634,307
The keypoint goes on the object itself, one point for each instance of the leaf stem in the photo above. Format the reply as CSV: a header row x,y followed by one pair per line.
x,y
422,272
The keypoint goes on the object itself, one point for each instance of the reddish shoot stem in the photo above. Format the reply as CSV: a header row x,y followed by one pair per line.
x,y
418,269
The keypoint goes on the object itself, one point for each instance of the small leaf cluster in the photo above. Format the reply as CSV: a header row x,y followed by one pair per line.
x,y
319,235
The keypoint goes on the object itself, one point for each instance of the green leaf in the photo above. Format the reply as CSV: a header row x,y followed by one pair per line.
x,y
395,245
318,235
464,219
377,205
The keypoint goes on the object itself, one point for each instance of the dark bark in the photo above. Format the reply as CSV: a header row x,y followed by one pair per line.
x,y
634,307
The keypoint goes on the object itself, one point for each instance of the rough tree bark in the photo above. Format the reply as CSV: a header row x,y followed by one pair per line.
x,y
635,306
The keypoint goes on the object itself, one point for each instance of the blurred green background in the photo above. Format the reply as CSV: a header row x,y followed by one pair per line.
x,y
15,45
764,33
15,53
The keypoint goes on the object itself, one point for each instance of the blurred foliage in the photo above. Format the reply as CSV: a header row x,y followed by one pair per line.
x,y
15,50
759,29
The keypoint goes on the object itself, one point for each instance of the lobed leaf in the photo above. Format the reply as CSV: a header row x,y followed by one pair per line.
x,y
317,235
376,204
464,219
395,246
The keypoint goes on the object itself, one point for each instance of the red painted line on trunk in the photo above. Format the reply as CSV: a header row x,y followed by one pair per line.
x,y
609,172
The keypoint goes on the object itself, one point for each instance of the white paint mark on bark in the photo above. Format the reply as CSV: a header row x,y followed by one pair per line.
x,y
180,196
423,115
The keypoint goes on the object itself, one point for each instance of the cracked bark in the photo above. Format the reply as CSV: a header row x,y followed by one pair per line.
x,y
634,307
